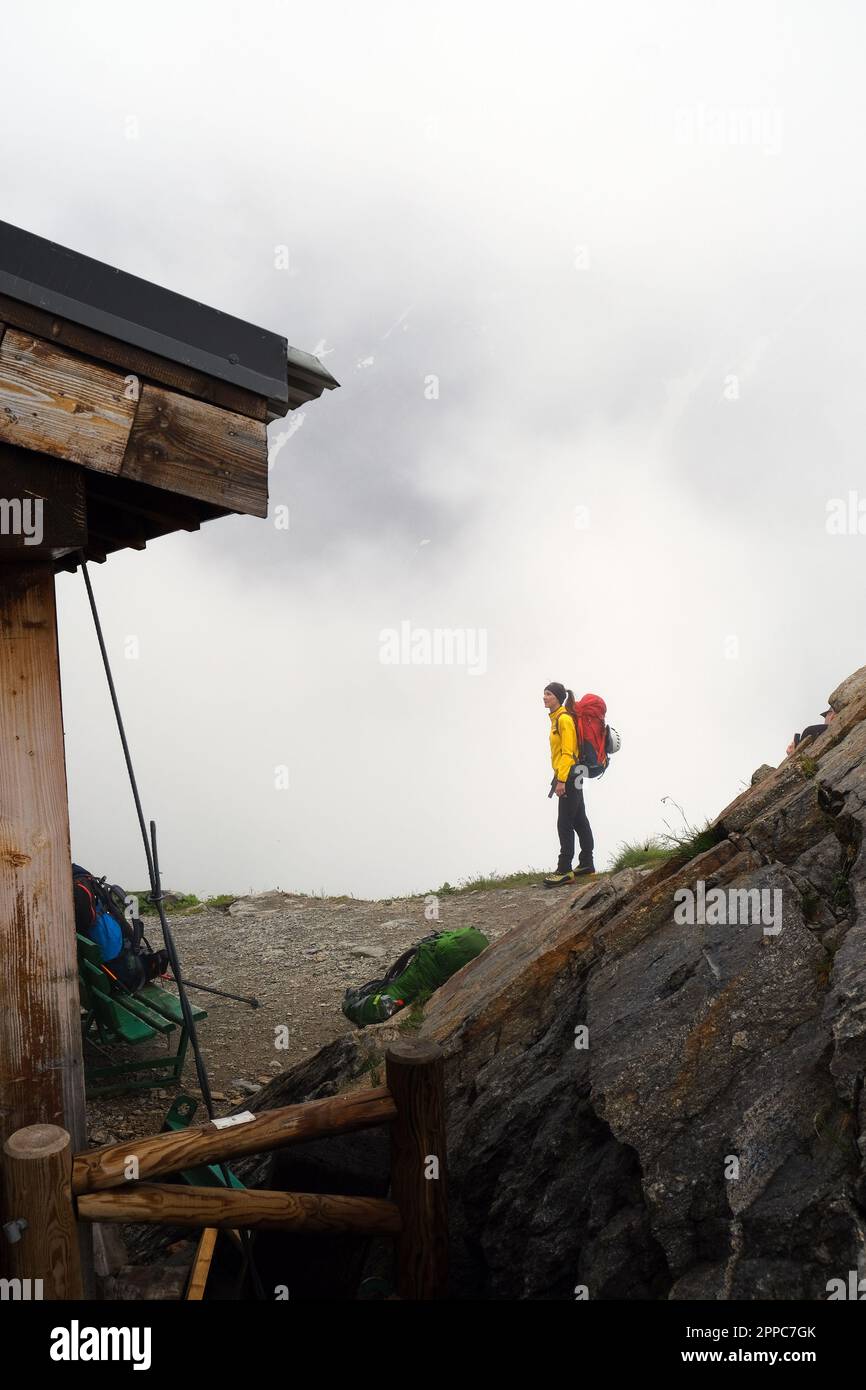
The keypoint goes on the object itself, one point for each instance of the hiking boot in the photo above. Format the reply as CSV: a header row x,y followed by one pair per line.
x,y
558,879
583,871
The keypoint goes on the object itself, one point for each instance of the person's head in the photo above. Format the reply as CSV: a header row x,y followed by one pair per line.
x,y
556,694
828,715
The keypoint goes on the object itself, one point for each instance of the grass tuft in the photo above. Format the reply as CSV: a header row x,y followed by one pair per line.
x,y
524,879
640,854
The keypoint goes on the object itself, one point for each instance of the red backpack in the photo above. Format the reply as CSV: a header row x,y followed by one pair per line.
x,y
591,712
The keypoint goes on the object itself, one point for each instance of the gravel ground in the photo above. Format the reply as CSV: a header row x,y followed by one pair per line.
x,y
297,956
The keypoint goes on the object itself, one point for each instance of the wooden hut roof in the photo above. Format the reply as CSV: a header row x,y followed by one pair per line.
x,y
130,410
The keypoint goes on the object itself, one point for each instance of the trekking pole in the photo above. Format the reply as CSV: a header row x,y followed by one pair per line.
x,y
224,994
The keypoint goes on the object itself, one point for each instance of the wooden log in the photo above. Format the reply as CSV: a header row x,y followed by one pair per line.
x,y
41,1073
107,1167
60,404
36,1196
170,1204
415,1075
43,510
201,451
132,360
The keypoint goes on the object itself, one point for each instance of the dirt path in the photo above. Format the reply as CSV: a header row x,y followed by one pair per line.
x,y
297,955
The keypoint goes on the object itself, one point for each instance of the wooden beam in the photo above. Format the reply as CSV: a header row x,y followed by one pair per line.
x,y
415,1076
42,506
98,1169
114,540
173,1205
60,404
171,515
36,1197
132,360
193,448
41,1073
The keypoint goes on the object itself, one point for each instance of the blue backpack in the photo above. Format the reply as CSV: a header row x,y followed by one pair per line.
x,y
101,916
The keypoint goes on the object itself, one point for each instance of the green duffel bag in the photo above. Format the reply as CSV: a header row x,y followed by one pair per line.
x,y
419,970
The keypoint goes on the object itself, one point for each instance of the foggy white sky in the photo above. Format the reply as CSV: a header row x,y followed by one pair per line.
x,y
628,241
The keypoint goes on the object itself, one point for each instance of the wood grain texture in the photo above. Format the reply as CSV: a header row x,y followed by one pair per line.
x,y
132,359
415,1075
201,451
60,404
37,1166
201,1264
102,1168
41,1074
174,1205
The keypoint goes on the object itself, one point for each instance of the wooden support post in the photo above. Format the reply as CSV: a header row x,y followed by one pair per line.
x,y
37,1213
41,1072
414,1072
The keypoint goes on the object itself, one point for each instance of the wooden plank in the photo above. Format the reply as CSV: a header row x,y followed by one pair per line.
x,y
273,1129
201,451
168,1004
126,1025
88,950
132,360
41,1072
60,404
201,1264
128,1002
43,509
37,1162
134,1005
168,1204
169,515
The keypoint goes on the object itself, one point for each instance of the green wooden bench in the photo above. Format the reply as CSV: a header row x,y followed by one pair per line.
x,y
111,1015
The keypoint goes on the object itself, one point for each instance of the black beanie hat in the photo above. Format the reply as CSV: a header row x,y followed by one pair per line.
x,y
557,689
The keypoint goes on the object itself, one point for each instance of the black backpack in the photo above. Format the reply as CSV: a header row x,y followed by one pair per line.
x,y
101,915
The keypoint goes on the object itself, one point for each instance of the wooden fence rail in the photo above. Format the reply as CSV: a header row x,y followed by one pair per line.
x,y
46,1191
224,1207
161,1154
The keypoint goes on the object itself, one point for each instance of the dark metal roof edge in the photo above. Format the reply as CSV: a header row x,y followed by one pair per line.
x,y
139,335
276,365
308,365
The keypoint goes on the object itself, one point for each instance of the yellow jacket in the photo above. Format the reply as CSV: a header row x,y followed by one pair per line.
x,y
563,742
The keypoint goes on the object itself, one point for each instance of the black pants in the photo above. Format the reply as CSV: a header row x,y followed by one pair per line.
x,y
572,816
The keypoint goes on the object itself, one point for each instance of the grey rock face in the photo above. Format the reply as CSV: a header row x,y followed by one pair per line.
x,y
765,770
656,1105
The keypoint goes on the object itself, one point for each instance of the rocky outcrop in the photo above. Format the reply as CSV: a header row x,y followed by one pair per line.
x,y
655,1086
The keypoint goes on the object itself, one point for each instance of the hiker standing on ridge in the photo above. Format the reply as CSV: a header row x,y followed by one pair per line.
x,y
828,715
567,786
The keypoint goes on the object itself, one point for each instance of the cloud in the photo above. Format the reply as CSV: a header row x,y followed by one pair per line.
x,y
505,209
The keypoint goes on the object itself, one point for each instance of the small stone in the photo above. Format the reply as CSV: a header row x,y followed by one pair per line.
x,y
246,1088
740,1039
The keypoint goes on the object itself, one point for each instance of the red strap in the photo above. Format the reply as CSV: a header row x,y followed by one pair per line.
x,y
84,887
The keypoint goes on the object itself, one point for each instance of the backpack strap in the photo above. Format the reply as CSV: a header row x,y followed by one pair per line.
x,y
576,752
